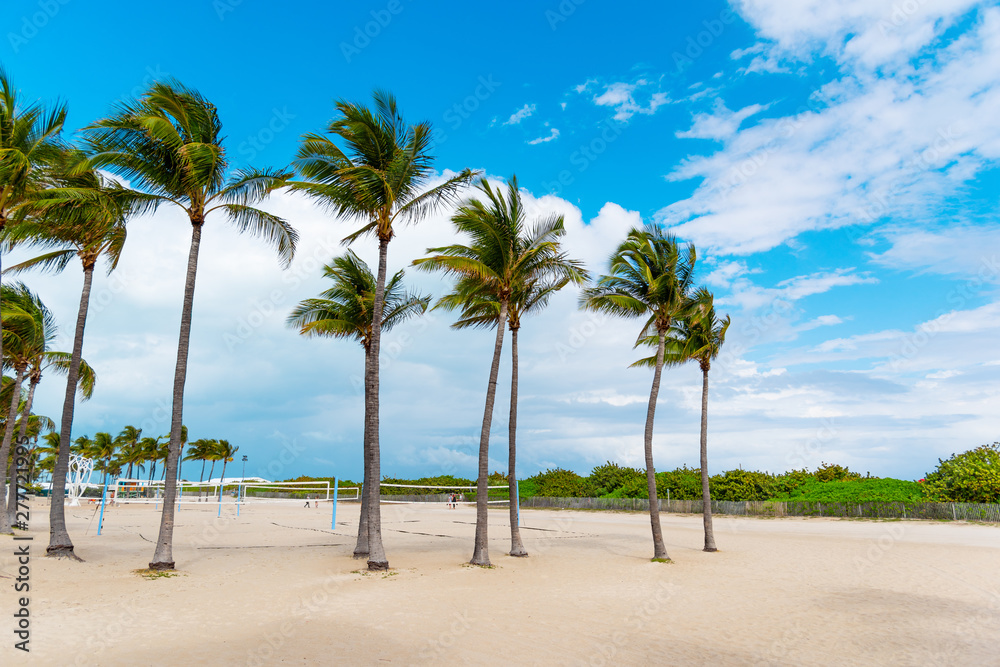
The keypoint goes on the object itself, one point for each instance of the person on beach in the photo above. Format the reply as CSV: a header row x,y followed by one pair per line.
x,y
307,500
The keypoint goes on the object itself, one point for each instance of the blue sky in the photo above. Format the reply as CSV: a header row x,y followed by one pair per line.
x,y
835,162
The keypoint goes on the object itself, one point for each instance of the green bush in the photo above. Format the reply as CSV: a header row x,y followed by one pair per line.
x,y
970,477
561,483
864,490
831,472
742,485
609,477
787,482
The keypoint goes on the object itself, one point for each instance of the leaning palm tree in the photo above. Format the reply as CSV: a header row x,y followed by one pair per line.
x,y
378,178
30,357
481,308
169,144
29,139
345,311
650,277
226,452
198,451
128,447
502,254
698,337
103,448
82,214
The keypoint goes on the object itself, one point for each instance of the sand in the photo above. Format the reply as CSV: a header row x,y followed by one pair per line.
x,y
277,586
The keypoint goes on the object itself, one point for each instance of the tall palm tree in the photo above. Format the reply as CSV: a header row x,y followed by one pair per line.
x,y
48,451
378,177
82,214
650,277
226,452
19,333
199,451
481,308
698,337
345,311
103,448
29,138
128,447
169,144
31,357
502,254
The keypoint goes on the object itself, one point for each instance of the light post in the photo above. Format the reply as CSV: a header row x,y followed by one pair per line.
x,y
239,495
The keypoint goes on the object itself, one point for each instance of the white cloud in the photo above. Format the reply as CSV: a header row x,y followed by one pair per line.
x,y
553,134
721,124
868,146
520,114
621,97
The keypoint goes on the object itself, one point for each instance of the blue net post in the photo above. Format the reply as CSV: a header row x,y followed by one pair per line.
x,y
104,494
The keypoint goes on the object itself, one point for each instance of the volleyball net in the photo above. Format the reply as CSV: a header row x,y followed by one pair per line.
x,y
440,495
137,491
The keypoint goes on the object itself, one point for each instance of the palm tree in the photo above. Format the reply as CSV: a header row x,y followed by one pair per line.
x,y
650,277
482,310
128,446
213,454
103,448
376,178
345,311
199,451
501,256
19,332
30,357
169,143
81,214
225,452
29,137
698,337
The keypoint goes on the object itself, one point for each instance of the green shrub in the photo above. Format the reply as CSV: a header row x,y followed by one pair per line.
x,y
864,490
609,477
970,477
742,485
831,472
787,482
561,483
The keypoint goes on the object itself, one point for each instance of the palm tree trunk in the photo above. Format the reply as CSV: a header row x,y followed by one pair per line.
x,y
59,542
361,548
516,546
481,553
211,471
706,496
376,552
222,486
201,477
163,558
659,551
8,436
12,491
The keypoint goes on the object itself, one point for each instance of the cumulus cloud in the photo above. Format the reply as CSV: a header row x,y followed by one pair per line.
x,y
621,97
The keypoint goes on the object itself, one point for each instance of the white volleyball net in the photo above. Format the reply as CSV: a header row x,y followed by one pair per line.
x,y
244,492
441,495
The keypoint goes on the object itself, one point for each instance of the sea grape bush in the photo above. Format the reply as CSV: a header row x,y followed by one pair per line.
x,y
973,476
970,477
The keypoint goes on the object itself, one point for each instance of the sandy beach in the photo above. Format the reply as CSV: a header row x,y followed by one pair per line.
x,y
277,586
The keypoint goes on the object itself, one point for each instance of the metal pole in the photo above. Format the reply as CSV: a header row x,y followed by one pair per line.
x,y
104,493
239,490
333,522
